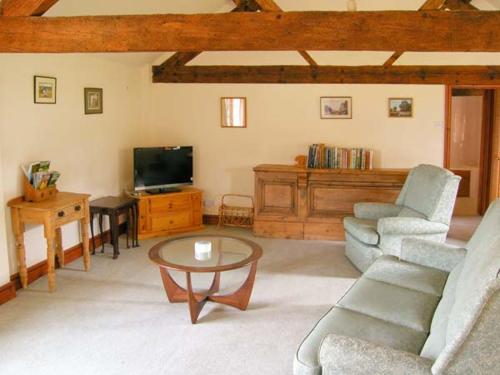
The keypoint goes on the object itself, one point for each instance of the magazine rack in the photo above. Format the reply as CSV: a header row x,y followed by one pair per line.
x,y
236,216
34,195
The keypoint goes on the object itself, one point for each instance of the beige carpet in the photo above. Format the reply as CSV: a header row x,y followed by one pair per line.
x,y
116,318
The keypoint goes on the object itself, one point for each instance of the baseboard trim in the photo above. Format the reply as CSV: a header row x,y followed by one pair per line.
x,y
210,219
40,269
7,292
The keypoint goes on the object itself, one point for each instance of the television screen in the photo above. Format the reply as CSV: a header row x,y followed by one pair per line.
x,y
162,167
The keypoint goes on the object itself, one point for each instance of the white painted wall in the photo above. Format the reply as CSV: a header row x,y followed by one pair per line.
x,y
283,120
92,152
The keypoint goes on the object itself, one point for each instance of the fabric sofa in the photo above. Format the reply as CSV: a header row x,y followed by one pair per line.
x,y
434,310
423,209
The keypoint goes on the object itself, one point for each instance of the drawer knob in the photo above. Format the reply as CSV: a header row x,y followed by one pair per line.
x,y
78,208
60,213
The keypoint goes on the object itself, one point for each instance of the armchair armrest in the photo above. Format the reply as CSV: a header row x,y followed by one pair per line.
x,y
431,254
375,211
348,355
409,225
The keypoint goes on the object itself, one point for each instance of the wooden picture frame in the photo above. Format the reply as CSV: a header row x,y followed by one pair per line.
x,y
233,112
44,90
336,107
401,107
93,99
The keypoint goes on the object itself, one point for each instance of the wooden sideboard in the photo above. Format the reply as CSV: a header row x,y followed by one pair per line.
x,y
166,214
303,203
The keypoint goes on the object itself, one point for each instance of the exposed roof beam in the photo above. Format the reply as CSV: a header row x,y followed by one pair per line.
x,y
271,6
428,5
264,31
331,74
15,8
182,58
459,5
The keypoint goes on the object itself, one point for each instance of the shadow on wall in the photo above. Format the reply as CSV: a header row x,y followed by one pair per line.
x,y
241,180
125,165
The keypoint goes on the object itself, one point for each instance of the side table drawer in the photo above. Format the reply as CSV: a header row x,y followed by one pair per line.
x,y
163,204
172,221
70,213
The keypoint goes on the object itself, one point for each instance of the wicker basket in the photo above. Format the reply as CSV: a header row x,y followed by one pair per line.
x,y
236,216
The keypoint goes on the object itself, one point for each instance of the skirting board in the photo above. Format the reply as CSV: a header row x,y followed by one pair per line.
x,y
8,291
210,219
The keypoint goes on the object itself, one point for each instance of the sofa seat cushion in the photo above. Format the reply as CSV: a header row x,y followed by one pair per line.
x,y
354,324
363,229
392,303
391,270
436,341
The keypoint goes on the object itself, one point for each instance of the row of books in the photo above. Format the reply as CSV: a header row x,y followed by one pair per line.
x,y
39,175
321,156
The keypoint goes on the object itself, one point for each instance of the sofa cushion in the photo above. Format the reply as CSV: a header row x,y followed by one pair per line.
x,y
488,228
353,324
437,339
481,268
391,270
363,229
392,303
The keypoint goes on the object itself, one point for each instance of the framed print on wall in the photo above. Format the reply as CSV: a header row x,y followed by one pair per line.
x,y
93,101
400,107
336,107
233,112
45,90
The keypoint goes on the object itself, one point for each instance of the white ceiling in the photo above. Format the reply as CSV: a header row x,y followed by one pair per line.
x,y
110,7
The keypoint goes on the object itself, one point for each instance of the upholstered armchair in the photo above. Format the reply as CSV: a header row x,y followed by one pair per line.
x,y
423,210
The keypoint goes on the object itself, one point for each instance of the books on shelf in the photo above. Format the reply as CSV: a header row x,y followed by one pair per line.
x,y
39,175
321,156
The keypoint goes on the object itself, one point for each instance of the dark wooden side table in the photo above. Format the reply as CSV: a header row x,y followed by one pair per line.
x,y
114,207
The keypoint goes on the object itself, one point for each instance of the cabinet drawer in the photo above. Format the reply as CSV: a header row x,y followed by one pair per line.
x,y
171,221
70,213
163,204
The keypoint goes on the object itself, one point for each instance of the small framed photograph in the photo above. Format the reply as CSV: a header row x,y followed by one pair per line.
x,y
336,107
93,101
400,107
233,112
45,90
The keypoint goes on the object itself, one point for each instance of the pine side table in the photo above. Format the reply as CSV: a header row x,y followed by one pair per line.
x,y
52,213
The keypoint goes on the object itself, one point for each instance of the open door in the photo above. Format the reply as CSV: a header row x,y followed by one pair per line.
x,y
495,150
472,146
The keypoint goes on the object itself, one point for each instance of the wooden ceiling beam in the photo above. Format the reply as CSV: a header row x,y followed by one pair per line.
x,y
182,58
17,8
271,6
459,5
456,75
427,31
428,5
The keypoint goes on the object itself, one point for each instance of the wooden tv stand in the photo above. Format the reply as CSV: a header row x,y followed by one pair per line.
x,y
305,203
169,213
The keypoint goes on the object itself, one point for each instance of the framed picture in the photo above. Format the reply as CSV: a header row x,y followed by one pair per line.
x,y
400,107
336,107
93,101
233,112
45,90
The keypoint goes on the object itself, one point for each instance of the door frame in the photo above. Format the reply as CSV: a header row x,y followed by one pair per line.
x,y
486,139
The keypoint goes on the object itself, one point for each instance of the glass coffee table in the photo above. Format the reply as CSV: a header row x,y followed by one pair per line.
x,y
206,254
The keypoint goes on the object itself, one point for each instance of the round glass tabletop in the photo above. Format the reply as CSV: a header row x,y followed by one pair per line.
x,y
205,253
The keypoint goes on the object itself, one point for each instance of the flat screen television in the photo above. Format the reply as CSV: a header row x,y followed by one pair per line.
x,y
163,169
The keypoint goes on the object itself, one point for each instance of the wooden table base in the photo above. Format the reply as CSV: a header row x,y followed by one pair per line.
x,y
196,301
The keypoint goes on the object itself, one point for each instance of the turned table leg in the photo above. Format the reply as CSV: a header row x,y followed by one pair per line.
x,y
50,238
84,225
18,229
